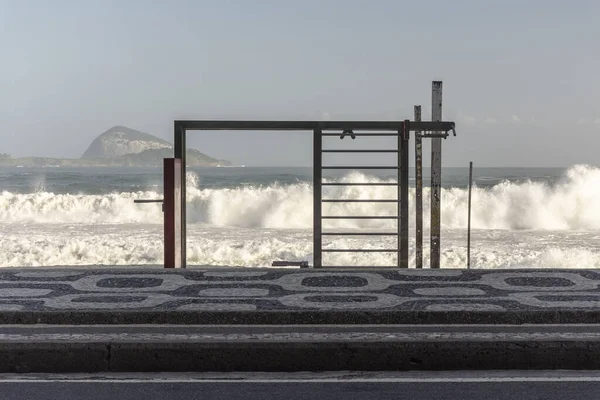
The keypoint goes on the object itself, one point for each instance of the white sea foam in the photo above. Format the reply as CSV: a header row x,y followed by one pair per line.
x,y
524,224
44,207
570,204
135,244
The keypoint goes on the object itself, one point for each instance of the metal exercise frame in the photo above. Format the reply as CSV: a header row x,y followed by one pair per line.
x,y
320,129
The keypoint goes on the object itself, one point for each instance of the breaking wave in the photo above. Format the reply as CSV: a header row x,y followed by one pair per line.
x,y
572,203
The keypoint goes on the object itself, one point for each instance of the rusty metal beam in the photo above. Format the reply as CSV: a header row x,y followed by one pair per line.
x,y
172,212
418,193
436,176
403,163
180,153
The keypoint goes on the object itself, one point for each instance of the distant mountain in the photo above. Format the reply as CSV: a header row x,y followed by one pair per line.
x,y
119,147
154,158
120,141
124,146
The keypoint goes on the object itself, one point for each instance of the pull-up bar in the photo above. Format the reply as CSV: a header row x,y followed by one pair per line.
x,y
224,125
436,129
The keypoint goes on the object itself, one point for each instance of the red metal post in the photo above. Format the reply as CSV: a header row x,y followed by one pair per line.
x,y
172,213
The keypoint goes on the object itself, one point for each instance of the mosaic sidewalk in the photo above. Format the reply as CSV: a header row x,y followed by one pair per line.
x,y
228,295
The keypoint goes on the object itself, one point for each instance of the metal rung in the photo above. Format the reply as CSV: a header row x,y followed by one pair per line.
x,y
358,167
148,201
358,151
359,266
362,134
360,217
359,201
358,184
360,233
360,250
434,135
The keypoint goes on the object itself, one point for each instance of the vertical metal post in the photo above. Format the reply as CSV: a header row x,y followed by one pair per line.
x,y
403,158
469,217
418,192
436,175
317,197
172,212
180,152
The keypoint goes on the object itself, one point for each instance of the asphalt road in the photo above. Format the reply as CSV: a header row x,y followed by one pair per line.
x,y
416,386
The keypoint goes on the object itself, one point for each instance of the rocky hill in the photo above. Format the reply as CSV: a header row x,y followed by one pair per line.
x,y
120,141
120,147
124,146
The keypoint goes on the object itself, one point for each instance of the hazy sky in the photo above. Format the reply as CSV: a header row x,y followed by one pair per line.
x,y
520,77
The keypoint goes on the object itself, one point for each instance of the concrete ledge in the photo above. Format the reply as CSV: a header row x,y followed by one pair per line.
x,y
289,317
355,356
288,349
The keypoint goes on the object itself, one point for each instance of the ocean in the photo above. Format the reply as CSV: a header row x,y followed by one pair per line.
x,y
250,217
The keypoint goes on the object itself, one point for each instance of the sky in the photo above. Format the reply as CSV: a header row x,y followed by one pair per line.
x,y
521,78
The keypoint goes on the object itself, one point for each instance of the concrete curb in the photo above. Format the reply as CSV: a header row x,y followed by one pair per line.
x,y
107,317
309,349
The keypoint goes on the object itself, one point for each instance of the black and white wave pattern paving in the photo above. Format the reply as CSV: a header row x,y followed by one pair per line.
x,y
265,290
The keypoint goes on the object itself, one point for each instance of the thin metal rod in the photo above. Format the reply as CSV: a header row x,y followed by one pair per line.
x,y
317,196
436,176
364,134
359,184
418,192
360,217
148,201
359,151
403,158
360,201
358,167
360,250
399,194
469,217
362,266
360,233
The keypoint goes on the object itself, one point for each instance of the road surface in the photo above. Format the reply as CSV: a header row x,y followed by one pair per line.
x,y
489,385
